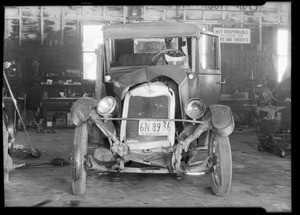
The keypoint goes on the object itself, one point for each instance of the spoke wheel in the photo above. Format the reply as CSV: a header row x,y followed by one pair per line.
x,y
78,170
221,174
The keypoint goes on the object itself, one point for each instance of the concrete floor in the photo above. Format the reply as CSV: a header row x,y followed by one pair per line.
x,y
260,179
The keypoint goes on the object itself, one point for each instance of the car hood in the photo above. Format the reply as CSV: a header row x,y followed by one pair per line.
x,y
122,83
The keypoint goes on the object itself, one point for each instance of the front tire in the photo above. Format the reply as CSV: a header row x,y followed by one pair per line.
x,y
221,174
78,170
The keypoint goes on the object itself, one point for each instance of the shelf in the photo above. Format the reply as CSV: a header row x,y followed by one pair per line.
x,y
61,98
61,77
14,78
234,100
66,85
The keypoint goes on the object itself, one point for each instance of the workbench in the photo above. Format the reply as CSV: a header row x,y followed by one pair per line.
x,y
56,111
239,106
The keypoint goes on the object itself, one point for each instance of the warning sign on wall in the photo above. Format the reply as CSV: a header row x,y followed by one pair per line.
x,y
233,35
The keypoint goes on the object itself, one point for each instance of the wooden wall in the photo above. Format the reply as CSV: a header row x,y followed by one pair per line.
x,y
240,65
52,33
46,23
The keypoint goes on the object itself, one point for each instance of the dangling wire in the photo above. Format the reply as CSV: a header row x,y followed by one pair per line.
x,y
35,65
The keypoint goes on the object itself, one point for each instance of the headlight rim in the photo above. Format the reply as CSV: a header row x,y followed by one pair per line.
x,y
203,107
112,110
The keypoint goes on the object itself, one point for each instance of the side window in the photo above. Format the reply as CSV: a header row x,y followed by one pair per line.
x,y
209,52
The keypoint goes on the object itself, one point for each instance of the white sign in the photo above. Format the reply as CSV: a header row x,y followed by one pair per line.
x,y
234,35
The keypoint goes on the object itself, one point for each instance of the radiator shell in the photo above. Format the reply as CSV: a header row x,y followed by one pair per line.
x,y
149,100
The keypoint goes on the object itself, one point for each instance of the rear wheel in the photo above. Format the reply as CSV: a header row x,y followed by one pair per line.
x,y
78,170
221,174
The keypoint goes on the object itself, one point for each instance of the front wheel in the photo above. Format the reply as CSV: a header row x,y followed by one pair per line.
x,y
221,174
78,170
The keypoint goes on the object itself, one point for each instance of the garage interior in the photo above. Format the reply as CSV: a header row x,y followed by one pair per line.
x,y
49,65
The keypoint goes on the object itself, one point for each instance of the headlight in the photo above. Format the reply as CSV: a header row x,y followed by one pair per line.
x,y
195,108
107,78
107,106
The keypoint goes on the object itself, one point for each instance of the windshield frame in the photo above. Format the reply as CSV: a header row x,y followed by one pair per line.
x,y
109,60
195,65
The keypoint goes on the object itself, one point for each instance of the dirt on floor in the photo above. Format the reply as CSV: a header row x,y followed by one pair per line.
x,y
260,179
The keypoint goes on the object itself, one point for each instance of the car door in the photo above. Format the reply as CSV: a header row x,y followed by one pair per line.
x,y
206,84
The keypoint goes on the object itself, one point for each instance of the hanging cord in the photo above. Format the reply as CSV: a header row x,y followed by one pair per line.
x,y
35,65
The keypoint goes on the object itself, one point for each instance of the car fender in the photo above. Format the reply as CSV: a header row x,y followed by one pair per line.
x,y
109,130
222,119
80,110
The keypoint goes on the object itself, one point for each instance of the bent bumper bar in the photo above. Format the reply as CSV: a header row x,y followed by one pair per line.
x,y
151,119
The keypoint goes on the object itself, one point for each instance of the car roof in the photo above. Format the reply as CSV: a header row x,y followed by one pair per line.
x,y
152,30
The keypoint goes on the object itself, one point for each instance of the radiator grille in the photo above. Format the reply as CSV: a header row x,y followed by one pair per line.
x,y
145,107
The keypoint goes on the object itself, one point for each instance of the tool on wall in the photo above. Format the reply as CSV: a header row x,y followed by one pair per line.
x,y
34,152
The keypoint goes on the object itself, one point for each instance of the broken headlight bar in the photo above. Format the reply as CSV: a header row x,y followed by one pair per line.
x,y
195,108
107,106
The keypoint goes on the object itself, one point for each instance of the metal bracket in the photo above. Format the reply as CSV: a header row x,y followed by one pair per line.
x,y
200,166
91,164
184,145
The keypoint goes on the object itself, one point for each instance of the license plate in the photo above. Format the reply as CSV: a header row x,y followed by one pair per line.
x,y
155,128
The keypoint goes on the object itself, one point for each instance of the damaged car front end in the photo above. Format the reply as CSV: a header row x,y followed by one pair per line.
x,y
151,140
154,117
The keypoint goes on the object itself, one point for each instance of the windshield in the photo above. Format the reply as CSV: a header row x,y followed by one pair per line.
x,y
140,52
202,53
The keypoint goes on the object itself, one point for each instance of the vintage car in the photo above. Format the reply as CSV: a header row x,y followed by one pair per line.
x,y
156,105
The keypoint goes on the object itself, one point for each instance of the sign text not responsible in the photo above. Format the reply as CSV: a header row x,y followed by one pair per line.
x,y
234,35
